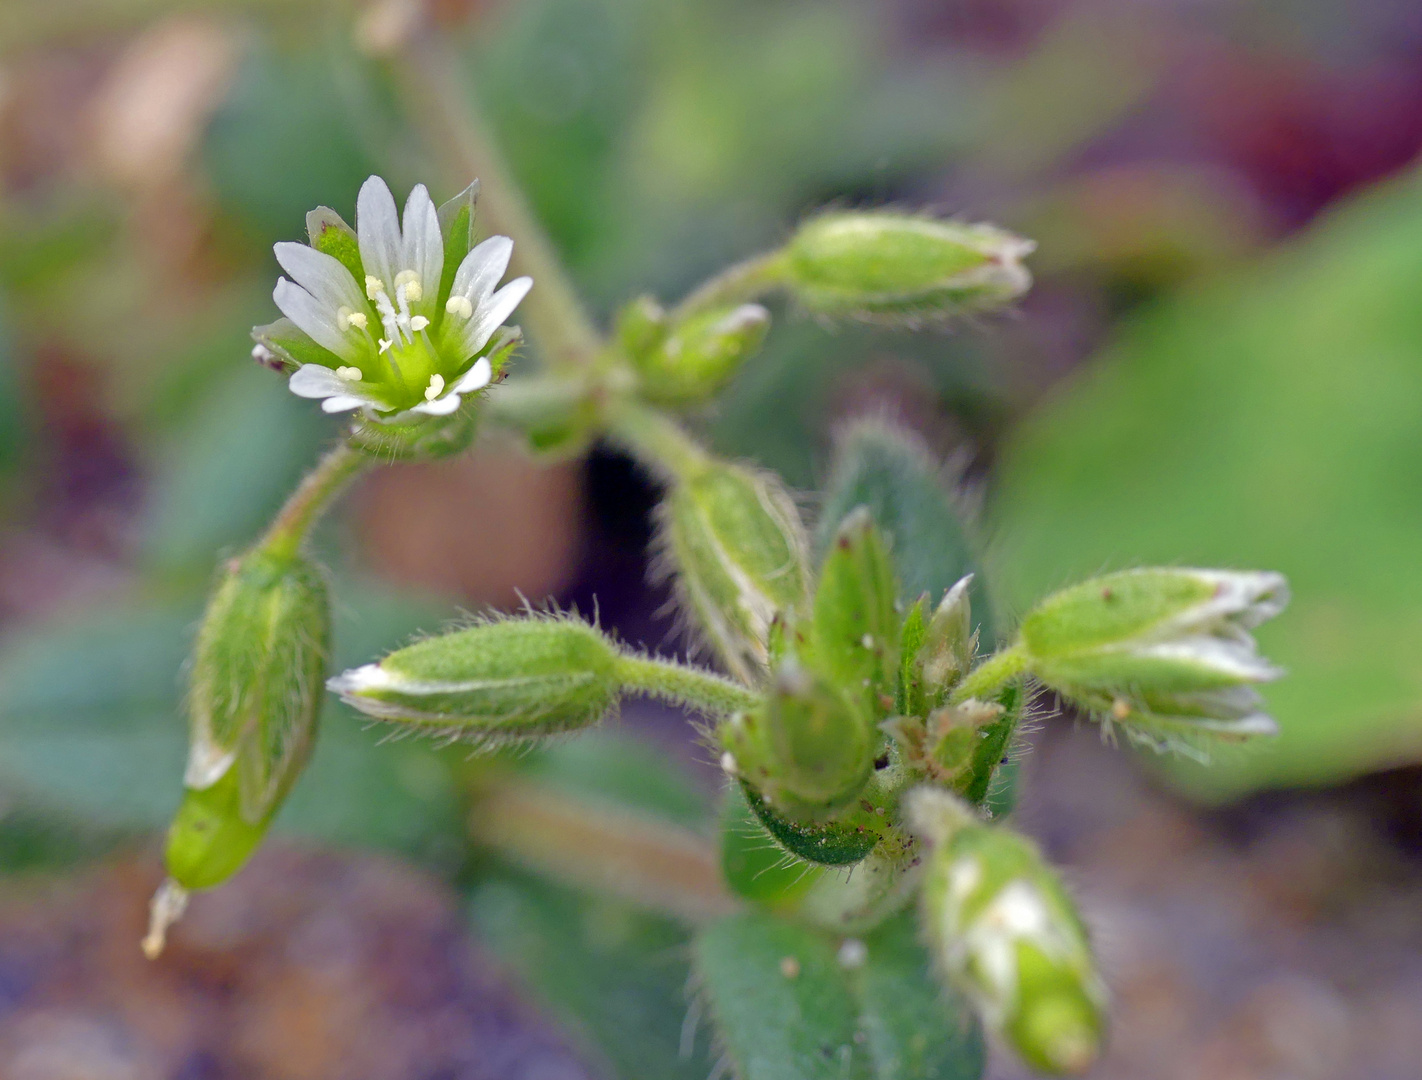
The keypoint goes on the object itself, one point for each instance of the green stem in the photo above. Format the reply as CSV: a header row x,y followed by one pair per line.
x,y
702,690
655,439
992,673
445,106
305,505
735,285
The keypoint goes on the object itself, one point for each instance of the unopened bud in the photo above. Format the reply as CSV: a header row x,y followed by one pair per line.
x,y
641,326
1005,933
856,625
738,546
508,680
949,643
808,752
881,265
253,702
1160,651
698,357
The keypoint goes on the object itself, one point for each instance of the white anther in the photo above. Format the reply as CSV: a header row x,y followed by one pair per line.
x,y
418,323
411,283
373,286
459,305
384,345
358,319
436,387
350,374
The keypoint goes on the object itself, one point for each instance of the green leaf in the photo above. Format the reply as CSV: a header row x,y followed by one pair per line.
x,y
615,975
1271,420
891,472
791,1004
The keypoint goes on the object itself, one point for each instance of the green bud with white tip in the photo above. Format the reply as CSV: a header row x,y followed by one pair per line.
x,y
254,697
1166,653
698,357
949,644
501,681
737,544
1004,931
808,751
888,266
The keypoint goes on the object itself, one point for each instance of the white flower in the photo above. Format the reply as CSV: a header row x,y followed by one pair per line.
x,y
373,323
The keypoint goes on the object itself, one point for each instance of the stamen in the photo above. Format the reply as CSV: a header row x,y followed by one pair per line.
x,y
385,345
350,374
373,286
436,387
411,281
357,319
418,323
459,305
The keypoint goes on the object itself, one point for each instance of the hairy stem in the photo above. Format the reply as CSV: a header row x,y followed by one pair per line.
x,y
991,674
702,690
444,106
745,281
340,465
655,439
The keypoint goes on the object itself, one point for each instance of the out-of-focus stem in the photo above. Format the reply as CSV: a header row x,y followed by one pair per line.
x,y
442,103
991,675
734,285
655,439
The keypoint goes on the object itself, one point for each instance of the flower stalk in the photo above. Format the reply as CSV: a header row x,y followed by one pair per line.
x,y
289,529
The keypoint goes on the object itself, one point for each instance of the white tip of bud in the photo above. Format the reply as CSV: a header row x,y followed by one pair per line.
x,y
373,286
418,323
365,677
350,374
459,305
166,908
435,388
728,763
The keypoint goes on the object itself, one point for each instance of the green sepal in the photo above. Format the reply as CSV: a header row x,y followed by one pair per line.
x,y
909,698
456,225
293,347
330,235
696,358
839,842
423,439
855,637
256,683
754,864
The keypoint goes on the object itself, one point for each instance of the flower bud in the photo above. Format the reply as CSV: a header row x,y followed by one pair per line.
x,y
253,703
880,265
507,680
949,643
1005,933
855,624
698,357
641,326
1160,651
808,752
738,545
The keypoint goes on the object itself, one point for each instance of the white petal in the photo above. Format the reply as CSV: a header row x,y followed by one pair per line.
x,y
482,268
423,249
476,378
378,231
324,276
344,403
316,318
439,406
315,381
1227,658
491,315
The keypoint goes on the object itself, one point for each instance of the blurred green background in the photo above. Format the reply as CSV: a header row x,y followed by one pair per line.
x,y
1221,362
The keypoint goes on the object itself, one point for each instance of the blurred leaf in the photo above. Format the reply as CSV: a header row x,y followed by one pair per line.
x,y
1271,420
617,976
91,728
907,493
222,477
787,1008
